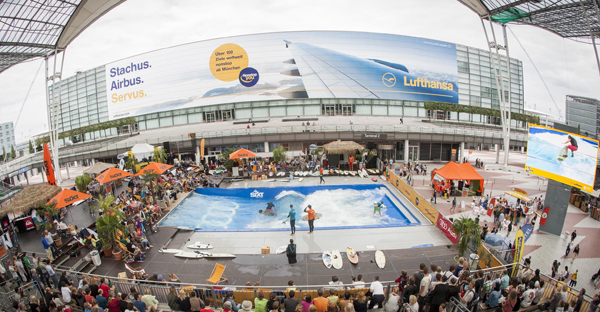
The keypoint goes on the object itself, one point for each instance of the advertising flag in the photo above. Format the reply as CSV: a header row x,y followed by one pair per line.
x,y
519,246
544,216
527,231
446,226
202,148
48,166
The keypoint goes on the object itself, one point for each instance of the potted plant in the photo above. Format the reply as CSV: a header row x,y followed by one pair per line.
x,y
109,224
50,212
468,231
117,252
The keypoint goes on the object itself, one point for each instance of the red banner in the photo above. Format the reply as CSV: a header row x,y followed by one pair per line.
x,y
446,226
544,216
48,165
29,224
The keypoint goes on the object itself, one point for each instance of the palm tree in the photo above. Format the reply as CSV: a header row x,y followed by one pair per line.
x,y
110,223
131,163
279,154
49,211
159,156
224,158
468,231
82,182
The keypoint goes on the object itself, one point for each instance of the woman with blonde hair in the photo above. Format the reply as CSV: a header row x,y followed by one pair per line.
x,y
412,302
349,308
360,303
392,304
149,300
184,301
173,300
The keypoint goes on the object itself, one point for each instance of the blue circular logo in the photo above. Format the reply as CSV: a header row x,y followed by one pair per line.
x,y
248,77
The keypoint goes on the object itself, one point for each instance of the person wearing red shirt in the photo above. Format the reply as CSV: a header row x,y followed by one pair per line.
x,y
88,296
311,218
113,303
104,287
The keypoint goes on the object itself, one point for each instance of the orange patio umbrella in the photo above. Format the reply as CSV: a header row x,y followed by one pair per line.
x,y
112,174
67,197
242,153
157,168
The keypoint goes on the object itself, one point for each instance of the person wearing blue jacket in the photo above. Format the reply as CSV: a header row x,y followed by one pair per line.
x,y
47,248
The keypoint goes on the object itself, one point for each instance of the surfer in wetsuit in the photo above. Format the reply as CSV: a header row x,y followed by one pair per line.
x,y
269,210
292,217
572,145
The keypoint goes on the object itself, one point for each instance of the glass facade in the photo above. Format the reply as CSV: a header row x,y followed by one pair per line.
x,y
584,113
83,100
7,136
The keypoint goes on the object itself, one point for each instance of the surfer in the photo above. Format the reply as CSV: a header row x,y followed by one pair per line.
x,y
290,252
311,218
269,210
572,145
377,207
292,217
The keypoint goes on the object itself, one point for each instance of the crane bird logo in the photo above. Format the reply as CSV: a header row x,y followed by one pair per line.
x,y
389,80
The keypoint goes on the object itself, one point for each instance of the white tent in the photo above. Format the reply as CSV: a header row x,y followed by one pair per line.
x,y
98,167
142,150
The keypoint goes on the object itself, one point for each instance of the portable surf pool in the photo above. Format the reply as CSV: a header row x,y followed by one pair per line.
x,y
237,209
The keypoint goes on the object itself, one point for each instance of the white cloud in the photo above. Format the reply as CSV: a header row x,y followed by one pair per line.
x,y
139,26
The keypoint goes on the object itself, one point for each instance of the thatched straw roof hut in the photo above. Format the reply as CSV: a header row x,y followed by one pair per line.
x,y
342,147
30,197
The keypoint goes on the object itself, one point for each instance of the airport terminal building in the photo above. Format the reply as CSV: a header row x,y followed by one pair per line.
x,y
293,74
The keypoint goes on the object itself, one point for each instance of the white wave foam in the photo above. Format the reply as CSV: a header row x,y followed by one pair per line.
x,y
286,193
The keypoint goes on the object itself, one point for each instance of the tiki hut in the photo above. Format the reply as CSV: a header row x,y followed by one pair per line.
x,y
31,197
343,148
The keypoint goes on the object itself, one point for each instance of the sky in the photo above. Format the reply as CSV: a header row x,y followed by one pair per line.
x,y
139,26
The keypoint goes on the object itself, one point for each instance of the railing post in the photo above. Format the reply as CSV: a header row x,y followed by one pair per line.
x,y
214,296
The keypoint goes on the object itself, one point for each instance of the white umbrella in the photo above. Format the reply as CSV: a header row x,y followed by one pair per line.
x,y
142,150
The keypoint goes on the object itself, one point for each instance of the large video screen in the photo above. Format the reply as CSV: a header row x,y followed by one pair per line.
x,y
562,156
285,65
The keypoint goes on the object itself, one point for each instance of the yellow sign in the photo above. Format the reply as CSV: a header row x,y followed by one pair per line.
x,y
202,148
519,246
227,61
421,203
389,80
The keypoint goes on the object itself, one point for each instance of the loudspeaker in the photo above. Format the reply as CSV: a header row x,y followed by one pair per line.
x,y
167,146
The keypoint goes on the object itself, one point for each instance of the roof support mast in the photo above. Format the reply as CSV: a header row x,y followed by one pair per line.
x,y
53,106
504,88
593,33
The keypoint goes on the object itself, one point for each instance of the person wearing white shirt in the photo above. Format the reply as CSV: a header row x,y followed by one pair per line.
x,y
336,282
66,293
378,295
358,283
424,288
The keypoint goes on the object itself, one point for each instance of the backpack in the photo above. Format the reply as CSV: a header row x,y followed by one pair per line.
x,y
473,305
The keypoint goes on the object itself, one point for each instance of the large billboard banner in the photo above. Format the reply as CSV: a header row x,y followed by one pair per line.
x,y
286,65
562,156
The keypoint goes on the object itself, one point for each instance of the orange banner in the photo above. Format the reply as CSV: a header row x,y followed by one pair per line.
x,y
202,148
48,166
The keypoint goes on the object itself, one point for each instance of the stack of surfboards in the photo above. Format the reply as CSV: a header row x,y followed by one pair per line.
x,y
334,258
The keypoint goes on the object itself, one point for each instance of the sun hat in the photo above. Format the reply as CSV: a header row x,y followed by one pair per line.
x,y
246,305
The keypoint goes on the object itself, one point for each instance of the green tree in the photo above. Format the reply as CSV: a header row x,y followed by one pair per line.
x,y
110,223
579,129
468,231
131,163
82,182
279,154
31,150
3,154
13,155
49,211
159,155
224,158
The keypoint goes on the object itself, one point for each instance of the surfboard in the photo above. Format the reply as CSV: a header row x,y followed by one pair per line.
x,y
198,245
374,179
286,220
317,216
352,255
336,259
380,259
215,255
281,250
563,154
271,174
170,251
190,255
268,215
327,260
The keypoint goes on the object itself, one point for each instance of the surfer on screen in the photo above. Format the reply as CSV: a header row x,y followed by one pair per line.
x,y
572,144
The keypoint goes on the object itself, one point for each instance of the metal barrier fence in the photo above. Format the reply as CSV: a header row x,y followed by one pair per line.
x,y
7,294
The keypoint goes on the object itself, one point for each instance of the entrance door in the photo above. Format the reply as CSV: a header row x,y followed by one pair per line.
x,y
329,110
209,116
226,115
347,110
413,153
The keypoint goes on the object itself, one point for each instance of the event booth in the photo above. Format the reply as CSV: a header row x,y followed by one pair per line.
x,y
458,179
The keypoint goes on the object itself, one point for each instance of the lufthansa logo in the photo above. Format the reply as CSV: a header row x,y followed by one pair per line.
x,y
544,215
389,80
248,77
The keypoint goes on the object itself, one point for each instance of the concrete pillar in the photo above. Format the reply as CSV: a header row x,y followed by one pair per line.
x,y
406,151
497,153
267,147
68,174
522,149
26,177
462,151
93,162
197,155
43,175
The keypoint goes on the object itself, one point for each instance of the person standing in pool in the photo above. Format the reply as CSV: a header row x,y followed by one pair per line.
x,y
311,218
572,144
269,210
377,207
321,176
292,217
